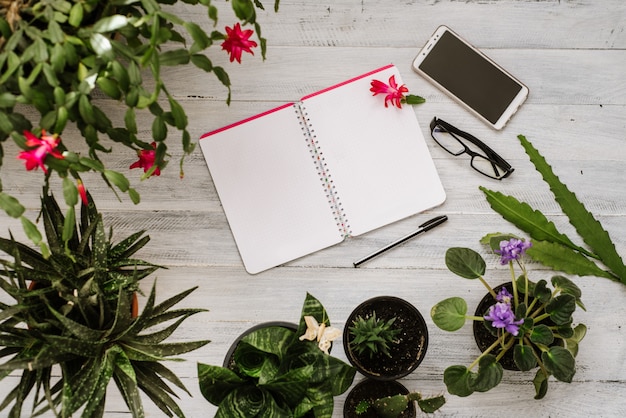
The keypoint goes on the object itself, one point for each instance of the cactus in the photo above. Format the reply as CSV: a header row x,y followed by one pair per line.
x,y
393,406
373,335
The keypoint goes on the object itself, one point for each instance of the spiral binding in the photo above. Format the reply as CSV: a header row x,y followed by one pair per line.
x,y
317,155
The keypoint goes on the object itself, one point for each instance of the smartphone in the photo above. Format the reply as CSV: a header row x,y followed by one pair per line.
x,y
470,77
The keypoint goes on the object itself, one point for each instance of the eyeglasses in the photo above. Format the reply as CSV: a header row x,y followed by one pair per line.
x,y
488,163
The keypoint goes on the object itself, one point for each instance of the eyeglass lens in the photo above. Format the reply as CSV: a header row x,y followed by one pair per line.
x,y
481,163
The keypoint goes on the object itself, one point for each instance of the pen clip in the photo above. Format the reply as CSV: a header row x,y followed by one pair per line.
x,y
436,221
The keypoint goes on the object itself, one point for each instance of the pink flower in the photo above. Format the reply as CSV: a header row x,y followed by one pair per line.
x,y
392,92
146,160
40,148
237,42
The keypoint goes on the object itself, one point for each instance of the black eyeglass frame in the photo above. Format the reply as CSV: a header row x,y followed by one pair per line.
x,y
489,154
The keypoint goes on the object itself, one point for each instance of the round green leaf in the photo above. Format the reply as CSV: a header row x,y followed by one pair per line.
x,y
457,379
489,374
560,363
524,358
449,314
561,309
465,262
541,334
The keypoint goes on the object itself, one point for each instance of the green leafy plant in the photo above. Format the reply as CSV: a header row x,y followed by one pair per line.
x,y
551,247
372,335
76,309
277,373
527,319
58,56
393,406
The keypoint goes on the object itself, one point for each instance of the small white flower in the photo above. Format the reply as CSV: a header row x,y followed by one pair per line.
x,y
323,334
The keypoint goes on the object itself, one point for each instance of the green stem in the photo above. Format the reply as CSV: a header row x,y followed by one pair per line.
x,y
487,351
506,347
514,285
474,318
491,291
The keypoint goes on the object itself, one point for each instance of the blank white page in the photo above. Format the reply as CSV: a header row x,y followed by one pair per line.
x,y
377,157
273,198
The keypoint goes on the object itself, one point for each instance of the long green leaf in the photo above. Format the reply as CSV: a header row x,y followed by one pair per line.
x,y
589,229
562,258
529,220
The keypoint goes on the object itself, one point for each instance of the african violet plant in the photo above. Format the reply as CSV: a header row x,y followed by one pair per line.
x,y
526,318
58,57
278,372
75,315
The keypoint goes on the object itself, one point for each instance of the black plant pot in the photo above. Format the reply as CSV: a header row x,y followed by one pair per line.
x,y
406,354
369,390
228,359
484,334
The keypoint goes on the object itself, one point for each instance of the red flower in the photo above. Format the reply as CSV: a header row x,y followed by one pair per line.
x,y
394,94
146,160
40,148
237,42
82,191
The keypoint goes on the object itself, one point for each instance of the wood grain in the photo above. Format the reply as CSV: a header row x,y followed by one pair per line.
x,y
571,54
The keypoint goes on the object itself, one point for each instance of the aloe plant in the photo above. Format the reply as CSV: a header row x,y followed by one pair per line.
x,y
373,335
74,309
551,247
278,374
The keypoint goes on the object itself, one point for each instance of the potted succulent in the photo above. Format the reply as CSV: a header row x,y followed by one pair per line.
x,y
58,57
74,309
280,372
386,338
387,399
525,320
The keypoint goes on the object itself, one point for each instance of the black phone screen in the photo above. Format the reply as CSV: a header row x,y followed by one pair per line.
x,y
470,77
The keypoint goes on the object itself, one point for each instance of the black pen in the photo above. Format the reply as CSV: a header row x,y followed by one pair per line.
x,y
426,226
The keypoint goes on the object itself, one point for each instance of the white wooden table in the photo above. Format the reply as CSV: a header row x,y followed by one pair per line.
x,y
571,54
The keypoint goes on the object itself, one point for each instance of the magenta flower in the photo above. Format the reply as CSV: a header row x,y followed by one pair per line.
x,y
40,148
392,92
237,41
512,249
146,160
502,316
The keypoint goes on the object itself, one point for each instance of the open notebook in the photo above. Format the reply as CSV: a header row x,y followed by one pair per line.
x,y
303,176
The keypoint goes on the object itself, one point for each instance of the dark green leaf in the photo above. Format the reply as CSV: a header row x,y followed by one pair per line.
x,y
561,309
541,334
216,382
489,374
457,380
560,363
541,384
524,357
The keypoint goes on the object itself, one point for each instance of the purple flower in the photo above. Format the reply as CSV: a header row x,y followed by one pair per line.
x,y
502,316
512,249
504,296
